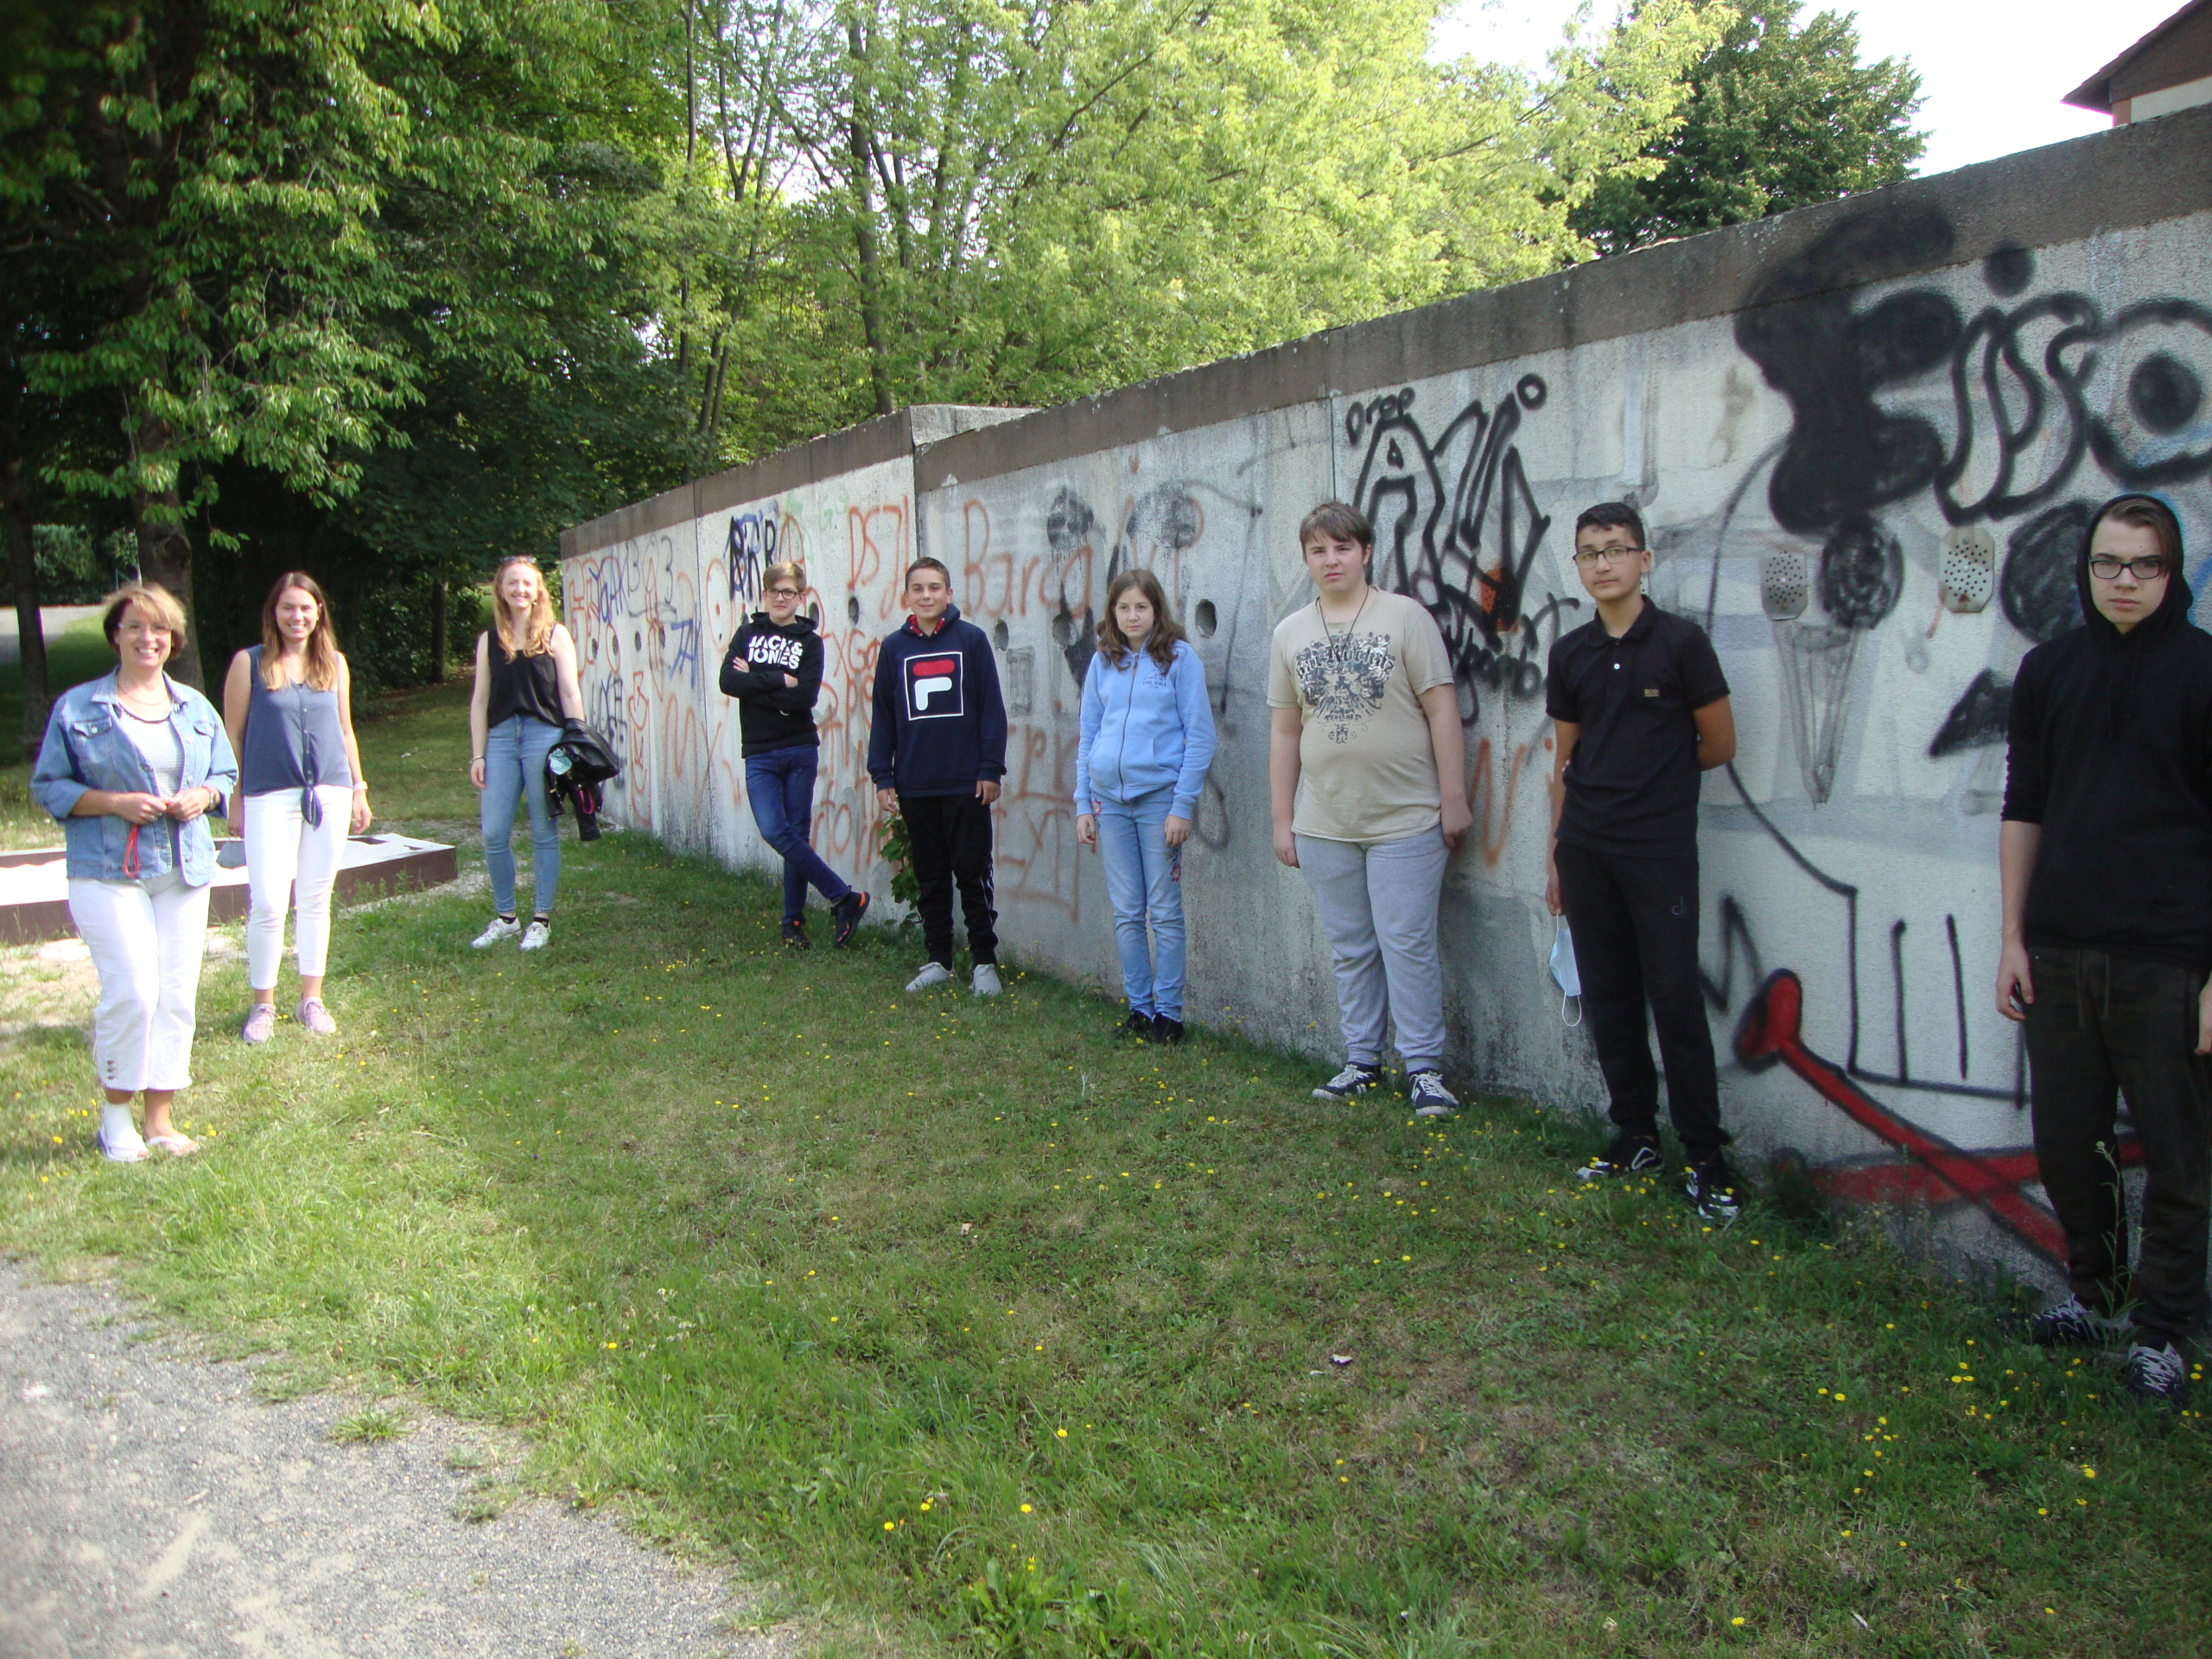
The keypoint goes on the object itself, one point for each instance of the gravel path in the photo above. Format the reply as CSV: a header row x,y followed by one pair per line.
x,y
149,1505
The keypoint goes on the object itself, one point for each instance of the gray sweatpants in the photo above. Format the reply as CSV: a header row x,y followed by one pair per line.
x,y
1377,901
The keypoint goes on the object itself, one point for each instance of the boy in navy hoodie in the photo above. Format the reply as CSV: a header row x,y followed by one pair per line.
x,y
936,751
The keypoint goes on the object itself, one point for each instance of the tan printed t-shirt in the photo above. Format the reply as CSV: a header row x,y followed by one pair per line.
x,y
1366,771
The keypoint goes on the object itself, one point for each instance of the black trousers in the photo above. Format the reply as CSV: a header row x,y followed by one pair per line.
x,y
1635,925
2102,1027
952,838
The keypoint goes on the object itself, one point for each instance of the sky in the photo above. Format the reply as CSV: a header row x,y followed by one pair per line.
x,y
1992,72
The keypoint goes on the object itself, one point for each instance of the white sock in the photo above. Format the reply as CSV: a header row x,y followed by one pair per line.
x,y
116,1126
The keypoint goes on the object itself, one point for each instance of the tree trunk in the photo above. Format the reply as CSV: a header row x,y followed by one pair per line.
x,y
165,552
441,640
22,570
879,367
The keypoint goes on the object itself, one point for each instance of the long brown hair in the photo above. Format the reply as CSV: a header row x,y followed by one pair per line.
x,y
319,656
1159,645
541,619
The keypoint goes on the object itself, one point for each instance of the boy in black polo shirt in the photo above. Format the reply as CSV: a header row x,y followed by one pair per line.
x,y
1641,709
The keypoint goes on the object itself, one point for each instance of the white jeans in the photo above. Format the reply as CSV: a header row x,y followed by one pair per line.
x,y
146,938
282,846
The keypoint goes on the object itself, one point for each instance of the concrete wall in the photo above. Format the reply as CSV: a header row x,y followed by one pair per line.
x,y
1865,436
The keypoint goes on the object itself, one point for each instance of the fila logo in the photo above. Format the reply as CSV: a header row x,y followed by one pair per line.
x,y
933,688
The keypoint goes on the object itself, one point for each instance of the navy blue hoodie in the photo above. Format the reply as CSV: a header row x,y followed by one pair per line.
x,y
940,722
2111,753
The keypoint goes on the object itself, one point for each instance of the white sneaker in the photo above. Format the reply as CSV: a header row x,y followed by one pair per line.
x,y
986,982
536,937
502,928
933,974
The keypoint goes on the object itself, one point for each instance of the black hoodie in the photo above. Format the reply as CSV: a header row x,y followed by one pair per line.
x,y
771,714
2110,751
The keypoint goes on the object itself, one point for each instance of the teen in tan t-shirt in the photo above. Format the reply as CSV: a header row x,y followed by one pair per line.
x,y
1367,769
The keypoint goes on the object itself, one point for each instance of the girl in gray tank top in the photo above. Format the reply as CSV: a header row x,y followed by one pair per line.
x,y
288,702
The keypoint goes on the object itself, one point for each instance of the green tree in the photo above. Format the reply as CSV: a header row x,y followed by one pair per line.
x,y
1779,115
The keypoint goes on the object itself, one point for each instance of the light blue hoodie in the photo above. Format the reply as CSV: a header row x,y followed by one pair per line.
x,y
1144,730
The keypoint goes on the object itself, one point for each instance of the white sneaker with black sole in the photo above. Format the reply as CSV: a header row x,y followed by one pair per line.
x,y
1351,1083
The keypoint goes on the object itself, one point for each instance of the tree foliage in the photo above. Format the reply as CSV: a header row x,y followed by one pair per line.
x,y
1778,115
392,290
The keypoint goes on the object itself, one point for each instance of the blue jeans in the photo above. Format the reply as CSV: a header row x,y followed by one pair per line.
x,y
1144,876
514,772
780,785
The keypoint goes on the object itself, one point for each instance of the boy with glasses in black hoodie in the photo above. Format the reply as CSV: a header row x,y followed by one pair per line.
x,y
2106,858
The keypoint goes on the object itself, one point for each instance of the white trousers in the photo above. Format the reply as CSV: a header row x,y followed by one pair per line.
x,y
283,848
146,938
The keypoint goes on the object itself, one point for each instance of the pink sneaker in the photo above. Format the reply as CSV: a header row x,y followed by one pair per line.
x,y
315,1017
260,1023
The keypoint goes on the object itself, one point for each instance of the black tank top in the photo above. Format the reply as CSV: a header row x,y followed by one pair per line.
x,y
522,685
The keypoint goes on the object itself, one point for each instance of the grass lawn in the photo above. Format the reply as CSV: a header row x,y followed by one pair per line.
x,y
978,1333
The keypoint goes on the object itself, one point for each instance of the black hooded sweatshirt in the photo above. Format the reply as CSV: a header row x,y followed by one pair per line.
x,y
2110,750
771,714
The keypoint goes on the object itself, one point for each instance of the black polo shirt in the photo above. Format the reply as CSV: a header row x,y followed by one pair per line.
x,y
1631,782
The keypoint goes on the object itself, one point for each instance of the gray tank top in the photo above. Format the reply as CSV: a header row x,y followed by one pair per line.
x,y
293,739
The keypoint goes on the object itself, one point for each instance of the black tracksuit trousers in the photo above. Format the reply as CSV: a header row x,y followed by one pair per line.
x,y
950,835
2102,1027
1635,925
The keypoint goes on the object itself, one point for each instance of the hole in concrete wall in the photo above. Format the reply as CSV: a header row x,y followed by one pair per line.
x,y
814,614
1064,630
999,633
1205,619
853,609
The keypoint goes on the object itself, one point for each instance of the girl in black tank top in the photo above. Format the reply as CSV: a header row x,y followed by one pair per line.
x,y
523,696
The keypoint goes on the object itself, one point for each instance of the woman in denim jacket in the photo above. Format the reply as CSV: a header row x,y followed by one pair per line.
x,y
131,765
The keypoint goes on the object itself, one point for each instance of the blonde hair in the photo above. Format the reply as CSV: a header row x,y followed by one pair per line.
x,y
319,658
1159,645
154,603
539,640
789,570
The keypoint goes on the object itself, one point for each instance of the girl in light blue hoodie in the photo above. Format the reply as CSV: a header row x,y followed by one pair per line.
x,y
1147,739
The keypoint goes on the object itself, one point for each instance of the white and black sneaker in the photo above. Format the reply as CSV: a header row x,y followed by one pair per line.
x,y
1713,1189
2158,1377
1430,1097
2074,1323
1630,1154
1350,1083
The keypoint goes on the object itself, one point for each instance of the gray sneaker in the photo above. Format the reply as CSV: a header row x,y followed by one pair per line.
x,y
933,974
260,1023
986,980
312,1014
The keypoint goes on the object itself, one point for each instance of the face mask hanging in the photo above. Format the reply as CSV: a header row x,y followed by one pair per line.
x,y
1569,978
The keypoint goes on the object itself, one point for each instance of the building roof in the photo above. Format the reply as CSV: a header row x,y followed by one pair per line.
x,y
2178,49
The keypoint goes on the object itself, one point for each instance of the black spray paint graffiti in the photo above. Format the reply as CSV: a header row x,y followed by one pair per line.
x,y
2035,388
752,537
1463,549
1070,526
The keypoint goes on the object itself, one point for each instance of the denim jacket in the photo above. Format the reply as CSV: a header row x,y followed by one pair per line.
x,y
87,748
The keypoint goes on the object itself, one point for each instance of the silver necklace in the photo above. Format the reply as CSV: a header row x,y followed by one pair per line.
x,y
1337,643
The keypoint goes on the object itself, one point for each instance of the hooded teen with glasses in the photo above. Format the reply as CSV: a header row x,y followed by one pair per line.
x,y
2106,858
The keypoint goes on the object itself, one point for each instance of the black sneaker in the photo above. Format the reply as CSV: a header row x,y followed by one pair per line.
x,y
1630,1154
845,915
1713,1189
795,934
2074,1323
1138,1025
1167,1031
1350,1083
2158,1377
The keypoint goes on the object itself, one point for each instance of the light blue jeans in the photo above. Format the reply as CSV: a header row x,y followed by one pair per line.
x,y
1144,878
514,772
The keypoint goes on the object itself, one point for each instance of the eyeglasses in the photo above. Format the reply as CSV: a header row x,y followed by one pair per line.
x,y
1584,555
783,592
2147,569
